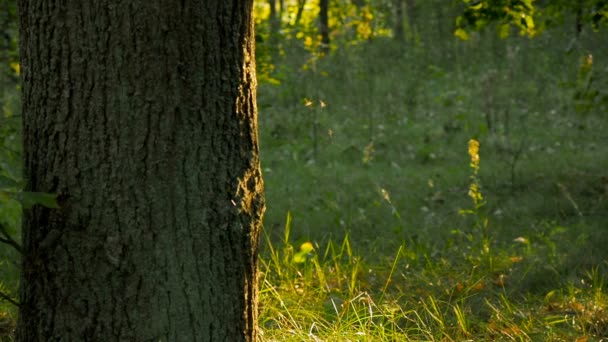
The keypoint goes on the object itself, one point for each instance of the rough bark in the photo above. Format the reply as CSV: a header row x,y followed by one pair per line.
x,y
141,116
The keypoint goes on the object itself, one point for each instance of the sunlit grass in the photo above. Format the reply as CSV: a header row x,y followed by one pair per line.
x,y
469,285
423,295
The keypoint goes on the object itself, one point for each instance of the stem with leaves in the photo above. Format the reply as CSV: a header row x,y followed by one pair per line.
x,y
7,239
4,296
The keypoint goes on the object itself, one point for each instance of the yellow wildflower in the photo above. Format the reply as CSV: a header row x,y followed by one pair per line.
x,y
475,194
474,154
16,67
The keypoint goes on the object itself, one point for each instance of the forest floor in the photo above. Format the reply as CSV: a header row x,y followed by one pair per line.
x,y
371,230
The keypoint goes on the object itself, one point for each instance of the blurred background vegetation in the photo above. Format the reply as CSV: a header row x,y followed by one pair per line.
x,y
366,110
10,162
393,110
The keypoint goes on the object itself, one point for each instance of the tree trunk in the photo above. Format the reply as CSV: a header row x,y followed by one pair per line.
x,y
275,20
399,33
410,6
299,12
141,116
578,20
275,26
324,25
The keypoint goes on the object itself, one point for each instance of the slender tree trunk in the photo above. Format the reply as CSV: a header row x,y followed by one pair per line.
x,y
578,20
324,25
275,26
281,8
275,20
273,8
141,116
411,16
399,32
300,11
439,21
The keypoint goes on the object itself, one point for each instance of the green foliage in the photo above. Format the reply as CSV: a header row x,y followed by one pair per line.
x,y
529,16
8,43
590,87
478,14
10,208
594,12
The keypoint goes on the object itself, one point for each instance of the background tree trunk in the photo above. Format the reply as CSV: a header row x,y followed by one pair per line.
x,y
275,19
399,33
410,6
299,12
324,25
358,3
275,25
141,116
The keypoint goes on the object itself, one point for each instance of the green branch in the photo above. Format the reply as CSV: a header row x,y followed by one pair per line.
x,y
7,239
7,298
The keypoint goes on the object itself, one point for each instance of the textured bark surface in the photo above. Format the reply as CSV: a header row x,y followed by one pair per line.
x,y
141,116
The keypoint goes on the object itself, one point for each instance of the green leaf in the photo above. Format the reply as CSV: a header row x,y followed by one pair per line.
x,y
528,4
29,199
10,119
6,183
306,247
287,228
462,34
9,167
504,30
299,257
459,21
529,22
476,7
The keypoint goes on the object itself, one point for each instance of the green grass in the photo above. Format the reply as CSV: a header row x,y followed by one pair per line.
x,y
420,294
367,151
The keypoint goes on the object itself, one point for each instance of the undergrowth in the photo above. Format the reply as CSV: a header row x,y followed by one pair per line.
x,y
420,294
470,289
